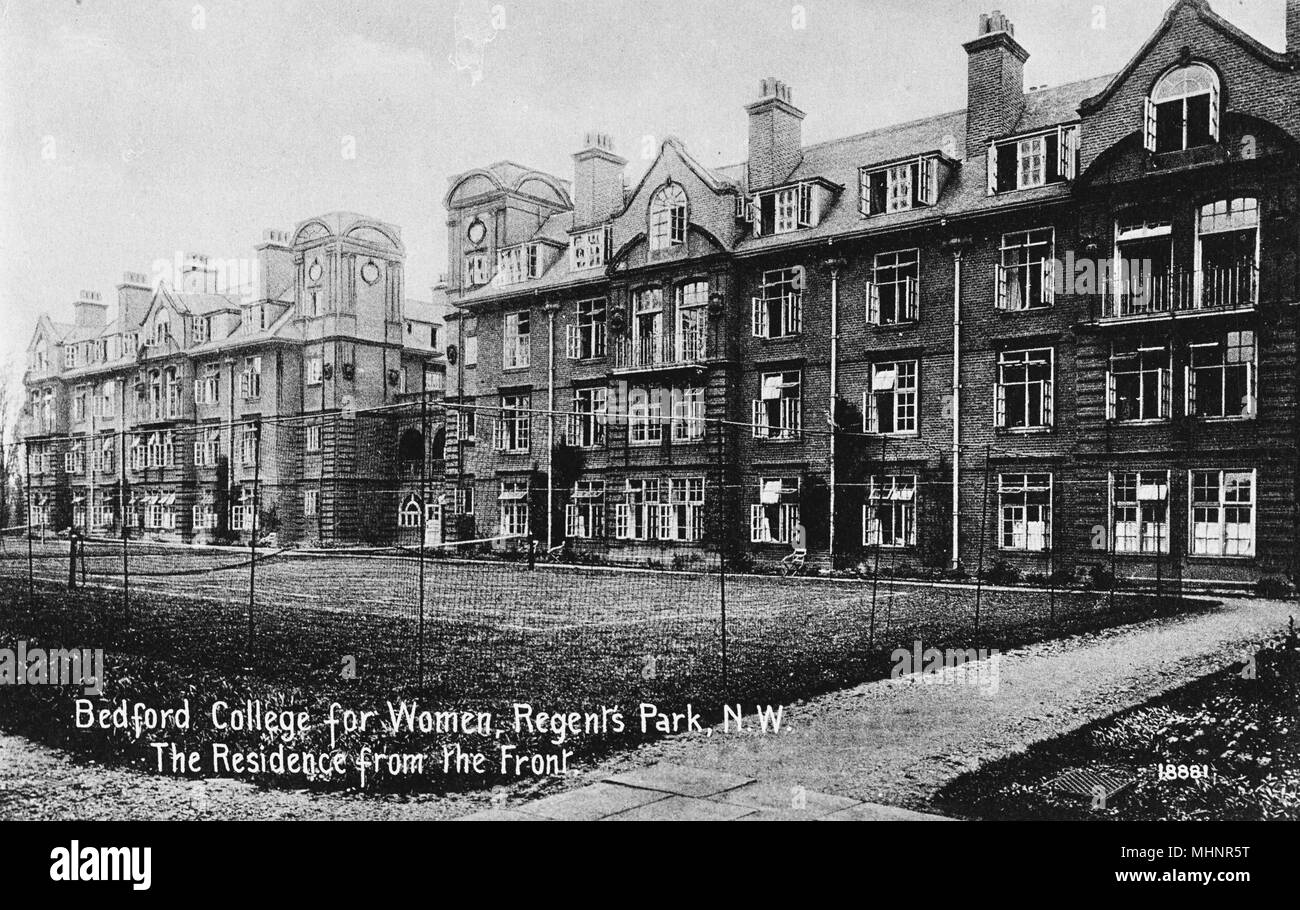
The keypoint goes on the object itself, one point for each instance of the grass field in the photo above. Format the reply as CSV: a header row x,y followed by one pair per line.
x,y
559,638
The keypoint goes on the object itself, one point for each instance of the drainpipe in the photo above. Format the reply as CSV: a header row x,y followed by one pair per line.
x,y
835,265
956,400
550,309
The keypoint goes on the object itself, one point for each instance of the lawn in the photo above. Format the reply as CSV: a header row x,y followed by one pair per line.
x,y
559,638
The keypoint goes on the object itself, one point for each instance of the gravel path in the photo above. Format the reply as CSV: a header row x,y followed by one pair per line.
x,y
892,742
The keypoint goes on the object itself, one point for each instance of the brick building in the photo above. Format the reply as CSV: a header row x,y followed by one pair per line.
x,y
1056,329
290,368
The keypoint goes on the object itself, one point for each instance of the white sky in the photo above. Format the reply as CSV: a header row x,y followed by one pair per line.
x,y
128,133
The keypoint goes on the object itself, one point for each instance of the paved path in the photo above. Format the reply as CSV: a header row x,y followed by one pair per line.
x,y
898,742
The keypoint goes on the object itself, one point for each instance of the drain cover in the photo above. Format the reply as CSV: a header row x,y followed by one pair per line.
x,y
1092,782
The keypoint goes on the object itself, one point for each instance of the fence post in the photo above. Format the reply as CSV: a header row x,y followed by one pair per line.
x,y
875,574
31,561
121,507
255,525
424,516
984,521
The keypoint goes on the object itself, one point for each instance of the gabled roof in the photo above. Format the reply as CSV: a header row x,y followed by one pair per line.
x,y
1202,9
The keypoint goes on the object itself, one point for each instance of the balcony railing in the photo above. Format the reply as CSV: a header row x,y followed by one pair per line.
x,y
1183,291
661,349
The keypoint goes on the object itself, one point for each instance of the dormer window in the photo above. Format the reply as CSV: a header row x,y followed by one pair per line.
x,y
667,217
200,329
70,356
1183,110
590,249
787,209
519,263
900,186
1026,162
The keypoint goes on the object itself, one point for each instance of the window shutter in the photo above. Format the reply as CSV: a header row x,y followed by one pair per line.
x,y
913,299
1049,281
1190,385
758,419
1048,387
758,320
665,516
1214,111
621,513
571,342
805,205
1001,297
571,520
1110,393
755,523
870,417
792,314
756,216
864,192
1166,392
873,303
1067,149
992,162
1149,124
999,404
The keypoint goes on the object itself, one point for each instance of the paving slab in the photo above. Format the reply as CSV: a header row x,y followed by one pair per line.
x,y
683,809
593,802
777,797
874,812
680,780
500,815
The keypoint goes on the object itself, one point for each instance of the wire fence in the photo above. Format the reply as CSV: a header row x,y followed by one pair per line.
x,y
338,546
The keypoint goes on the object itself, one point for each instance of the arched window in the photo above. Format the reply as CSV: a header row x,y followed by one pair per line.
x,y
1183,110
408,516
667,216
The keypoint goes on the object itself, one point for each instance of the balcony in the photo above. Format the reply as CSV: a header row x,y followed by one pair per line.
x,y
1183,292
662,350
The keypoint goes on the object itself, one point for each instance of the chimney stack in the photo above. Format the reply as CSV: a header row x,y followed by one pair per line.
x,y
1293,28
597,181
197,276
133,296
775,135
90,311
995,81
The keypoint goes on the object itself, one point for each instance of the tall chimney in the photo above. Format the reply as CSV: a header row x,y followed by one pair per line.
x,y
597,181
133,297
90,310
1293,28
775,135
995,81
198,276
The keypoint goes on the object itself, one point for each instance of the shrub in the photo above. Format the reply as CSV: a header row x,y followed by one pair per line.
x,y
1274,587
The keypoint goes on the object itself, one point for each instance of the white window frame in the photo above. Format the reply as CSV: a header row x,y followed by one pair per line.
x,y
1221,545
890,270
896,493
584,515
1030,243
1194,372
1139,512
1025,358
900,382
1136,360
778,503
777,386
668,215
1014,492
516,340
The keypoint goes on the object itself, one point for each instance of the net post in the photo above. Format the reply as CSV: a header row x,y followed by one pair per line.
x,y
424,516
875,571
255,527
121,506
984,521
31,561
